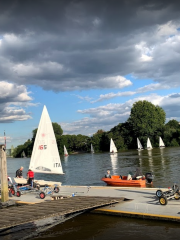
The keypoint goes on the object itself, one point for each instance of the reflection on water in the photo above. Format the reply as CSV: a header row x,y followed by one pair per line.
x,y
88,169
102,227
114,162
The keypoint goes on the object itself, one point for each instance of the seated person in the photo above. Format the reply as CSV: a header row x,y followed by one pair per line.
x,y
129,176
108,175
138,174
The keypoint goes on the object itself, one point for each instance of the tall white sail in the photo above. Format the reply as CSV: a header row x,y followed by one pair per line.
x,y
92,149
65,151
45,156
113,148
140,147
149,146
161,143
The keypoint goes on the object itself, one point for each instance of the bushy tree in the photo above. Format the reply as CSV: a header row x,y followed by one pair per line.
x,y
146,120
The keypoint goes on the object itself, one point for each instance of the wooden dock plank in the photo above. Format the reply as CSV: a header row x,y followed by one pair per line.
x,y
15,216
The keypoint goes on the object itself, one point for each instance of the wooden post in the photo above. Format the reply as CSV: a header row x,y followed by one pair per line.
x,y
3,170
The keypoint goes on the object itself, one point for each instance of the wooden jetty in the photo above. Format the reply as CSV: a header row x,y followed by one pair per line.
x,y
20,215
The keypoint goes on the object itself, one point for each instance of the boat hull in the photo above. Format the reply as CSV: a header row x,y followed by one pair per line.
x,y
117,181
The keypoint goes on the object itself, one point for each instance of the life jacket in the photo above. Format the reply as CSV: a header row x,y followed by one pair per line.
x,y
31,174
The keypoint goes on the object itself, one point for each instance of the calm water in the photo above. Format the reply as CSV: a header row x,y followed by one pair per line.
x,y
87,169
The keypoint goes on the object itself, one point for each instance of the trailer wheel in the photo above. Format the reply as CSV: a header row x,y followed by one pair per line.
x,y
42,195
12,191
56,189
18,194
159,193
176,196
163,200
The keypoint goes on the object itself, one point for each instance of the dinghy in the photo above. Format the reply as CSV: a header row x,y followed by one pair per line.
x,y
92,149
161,143
45,156
65,151
122,181
113,148
140,147
149,146
23,155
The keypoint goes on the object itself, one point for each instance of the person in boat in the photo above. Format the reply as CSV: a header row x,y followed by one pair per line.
x,y
108,175
30,177
129,176
19,172
138,174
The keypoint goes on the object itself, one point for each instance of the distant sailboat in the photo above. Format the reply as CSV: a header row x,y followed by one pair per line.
x,y
92,149
140,147
149,146
23,155
65,151
113,148
161,143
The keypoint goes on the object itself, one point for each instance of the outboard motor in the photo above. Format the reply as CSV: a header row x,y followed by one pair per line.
x,y
149,177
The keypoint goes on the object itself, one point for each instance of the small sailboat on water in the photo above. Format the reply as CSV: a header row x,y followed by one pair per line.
x,y
92,149
23,155
113,148
65,151
140,147
149,146
161,143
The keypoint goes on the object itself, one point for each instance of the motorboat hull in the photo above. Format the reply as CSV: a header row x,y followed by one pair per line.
x,y
115,180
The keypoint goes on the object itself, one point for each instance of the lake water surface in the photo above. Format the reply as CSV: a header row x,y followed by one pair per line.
x,y
87,169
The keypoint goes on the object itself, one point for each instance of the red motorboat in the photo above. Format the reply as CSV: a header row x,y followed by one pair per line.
x,y
122,181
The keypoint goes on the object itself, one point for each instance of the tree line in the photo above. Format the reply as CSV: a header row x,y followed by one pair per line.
x,y
145,120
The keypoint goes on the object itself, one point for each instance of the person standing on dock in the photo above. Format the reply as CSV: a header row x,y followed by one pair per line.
x,y
19,172
30,177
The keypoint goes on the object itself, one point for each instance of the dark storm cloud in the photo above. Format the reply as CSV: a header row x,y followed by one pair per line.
x,y
73,45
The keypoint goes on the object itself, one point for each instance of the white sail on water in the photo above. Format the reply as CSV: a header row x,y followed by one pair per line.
x,y
45,156
113,148
65,151
149,146
92,149
140,147
23,155
161,143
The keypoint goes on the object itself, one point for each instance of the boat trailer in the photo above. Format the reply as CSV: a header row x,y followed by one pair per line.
x,y
172,193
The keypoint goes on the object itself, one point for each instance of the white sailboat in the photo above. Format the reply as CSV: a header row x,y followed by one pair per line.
x,y
161,143
113,148
45,156
65,151
149,146
140,147
23,155
92,149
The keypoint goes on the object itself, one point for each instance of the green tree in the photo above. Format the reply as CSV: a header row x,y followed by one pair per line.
x,y
146,120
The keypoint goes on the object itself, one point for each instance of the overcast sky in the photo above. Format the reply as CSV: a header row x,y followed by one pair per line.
x,y
87,61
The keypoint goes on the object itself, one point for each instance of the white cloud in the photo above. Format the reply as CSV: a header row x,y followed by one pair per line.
x,y
107,116
108,96
152,87
12,100
167,29
116,82
86,98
